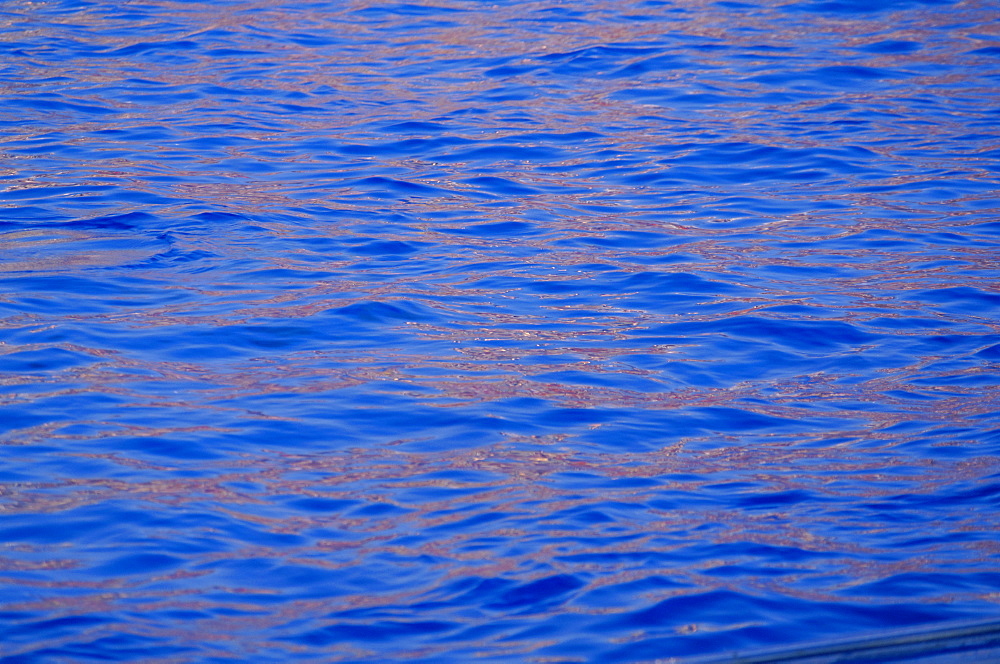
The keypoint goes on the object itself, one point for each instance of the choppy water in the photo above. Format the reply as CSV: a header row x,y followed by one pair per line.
x,y
464,331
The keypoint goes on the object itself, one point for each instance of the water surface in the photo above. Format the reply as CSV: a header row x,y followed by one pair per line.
x,y
464,331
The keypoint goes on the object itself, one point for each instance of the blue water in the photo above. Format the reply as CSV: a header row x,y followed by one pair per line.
x,y
461,331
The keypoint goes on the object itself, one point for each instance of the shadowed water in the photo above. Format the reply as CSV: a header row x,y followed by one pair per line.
x,y
456,331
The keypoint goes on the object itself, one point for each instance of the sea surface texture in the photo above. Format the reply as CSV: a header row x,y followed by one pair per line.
x,y
455,331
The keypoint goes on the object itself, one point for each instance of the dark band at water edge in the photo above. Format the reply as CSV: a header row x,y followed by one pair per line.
x,y
962,642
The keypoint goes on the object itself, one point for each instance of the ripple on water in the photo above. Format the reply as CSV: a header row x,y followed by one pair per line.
x,y
522,332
